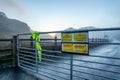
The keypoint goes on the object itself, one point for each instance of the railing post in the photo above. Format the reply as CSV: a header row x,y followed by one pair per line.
x,y
31,44
36,57
71,67
55,42
15,51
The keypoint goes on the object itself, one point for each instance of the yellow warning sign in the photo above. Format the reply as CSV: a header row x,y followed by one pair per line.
x,y
66,37
81,48
80,37
68,47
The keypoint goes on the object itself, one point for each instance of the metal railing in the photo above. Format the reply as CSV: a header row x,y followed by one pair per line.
x,y
103,64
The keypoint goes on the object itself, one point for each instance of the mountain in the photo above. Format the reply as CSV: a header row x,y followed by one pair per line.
x,y
12,26
87,27
69,29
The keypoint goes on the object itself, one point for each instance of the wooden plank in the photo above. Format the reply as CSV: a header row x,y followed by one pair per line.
x,y
5,39
5,50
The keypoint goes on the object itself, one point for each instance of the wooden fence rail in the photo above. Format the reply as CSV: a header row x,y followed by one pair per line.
x,y
7,53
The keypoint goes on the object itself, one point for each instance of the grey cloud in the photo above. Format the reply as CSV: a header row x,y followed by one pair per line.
x,y
12,5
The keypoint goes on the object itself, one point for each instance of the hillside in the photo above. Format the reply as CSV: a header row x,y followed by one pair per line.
x,y
9,27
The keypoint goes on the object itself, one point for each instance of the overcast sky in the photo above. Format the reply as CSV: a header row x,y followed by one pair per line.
x,y
52,15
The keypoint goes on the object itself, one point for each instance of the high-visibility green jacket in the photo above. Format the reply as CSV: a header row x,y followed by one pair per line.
x,y
35,36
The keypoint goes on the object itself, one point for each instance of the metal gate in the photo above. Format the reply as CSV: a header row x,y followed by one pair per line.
x,y
102,63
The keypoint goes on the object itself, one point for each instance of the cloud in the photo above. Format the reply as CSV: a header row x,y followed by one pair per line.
x,y
12,5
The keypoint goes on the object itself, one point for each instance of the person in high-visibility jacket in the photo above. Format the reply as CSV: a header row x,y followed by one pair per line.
x,y
35,35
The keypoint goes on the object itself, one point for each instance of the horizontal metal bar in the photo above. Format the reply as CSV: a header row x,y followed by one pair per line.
x,y
20,57
102,56
27,66
96,69
75,42
104,29
97,62
66,58
31,70
36,72
104,43
51,51
33,40
55,61
25,48
53,65
50,42
41,33
21,51
46,76
24,34
20,54
26,39
53,74
81,77
41,66
51,39
93,74
26,62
